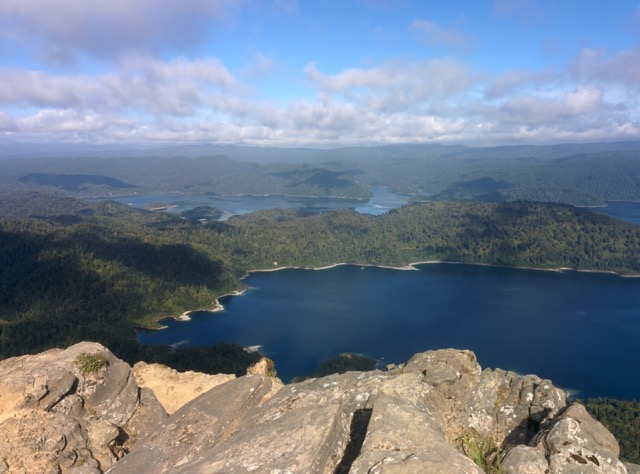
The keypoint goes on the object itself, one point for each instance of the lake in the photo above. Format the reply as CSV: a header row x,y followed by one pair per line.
x,y
626,210
580,330
381,201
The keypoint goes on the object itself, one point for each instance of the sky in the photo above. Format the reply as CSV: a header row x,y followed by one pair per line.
x,y
319,73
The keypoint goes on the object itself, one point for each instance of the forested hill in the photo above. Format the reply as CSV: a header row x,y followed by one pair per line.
x,y
82,271
206,174
586,174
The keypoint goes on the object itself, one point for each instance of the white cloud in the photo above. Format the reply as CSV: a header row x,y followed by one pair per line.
x,y
439,100
259,67
63,30
147,85
435,35
62,120
621,67
515,81
7,123
398,84
583,100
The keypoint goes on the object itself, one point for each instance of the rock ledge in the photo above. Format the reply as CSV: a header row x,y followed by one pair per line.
x,y
423,416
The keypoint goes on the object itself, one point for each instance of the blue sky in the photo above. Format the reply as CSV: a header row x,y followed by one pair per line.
x,y
319,72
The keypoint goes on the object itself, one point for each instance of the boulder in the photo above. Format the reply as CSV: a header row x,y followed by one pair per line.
x,y
197,427
575,442
58,416
174,389
431,415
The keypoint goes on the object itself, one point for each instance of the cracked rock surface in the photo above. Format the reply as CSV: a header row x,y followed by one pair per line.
x,y
426,416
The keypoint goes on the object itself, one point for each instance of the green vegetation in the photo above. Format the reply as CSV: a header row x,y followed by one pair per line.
x,y
483,451
202,213
132,266
622,419
90,363
73,271
207,174
73,182
580,174
341,364
271,368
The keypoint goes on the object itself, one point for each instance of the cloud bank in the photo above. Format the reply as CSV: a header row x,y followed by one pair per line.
x,y
111,72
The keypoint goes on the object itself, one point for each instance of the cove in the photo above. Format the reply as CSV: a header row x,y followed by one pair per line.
x,y
381,201
580,330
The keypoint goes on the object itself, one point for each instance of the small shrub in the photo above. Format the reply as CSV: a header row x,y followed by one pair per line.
x,y
483,451
271,368
90,363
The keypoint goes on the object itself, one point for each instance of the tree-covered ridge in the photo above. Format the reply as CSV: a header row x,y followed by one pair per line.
x,y
83,271
73,182
512,233
579,179
579,174
207,174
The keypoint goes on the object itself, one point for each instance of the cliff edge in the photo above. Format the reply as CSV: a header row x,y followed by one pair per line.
x,y
84,411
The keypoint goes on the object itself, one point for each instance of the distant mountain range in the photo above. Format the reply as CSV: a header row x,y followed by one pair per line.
x,y
581,174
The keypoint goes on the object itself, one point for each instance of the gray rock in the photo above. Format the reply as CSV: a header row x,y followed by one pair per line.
x,y
59,383
413,419
116,397
632,468
84,470
576,427
525,460
102,435
44,425
419,417
148,418
197,427
575,442
404,439
299,441
71,405
304,427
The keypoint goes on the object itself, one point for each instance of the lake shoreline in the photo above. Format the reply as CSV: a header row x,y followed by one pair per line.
x,y
218,307
383,313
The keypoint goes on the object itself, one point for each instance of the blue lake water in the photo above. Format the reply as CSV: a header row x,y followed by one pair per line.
x,y
625,210
580,330
381,201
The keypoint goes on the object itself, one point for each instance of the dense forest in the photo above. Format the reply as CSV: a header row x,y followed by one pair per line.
x,y
209,174
587,174
72,270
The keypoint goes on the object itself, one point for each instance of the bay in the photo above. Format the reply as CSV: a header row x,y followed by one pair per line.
x,y
382,200
624,210
578,329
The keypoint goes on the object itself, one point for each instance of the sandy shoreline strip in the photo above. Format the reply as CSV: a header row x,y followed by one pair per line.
x,y
412,266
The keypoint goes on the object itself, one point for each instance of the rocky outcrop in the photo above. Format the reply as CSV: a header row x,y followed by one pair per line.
x,y
420,417
438,413
57,415
172,388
